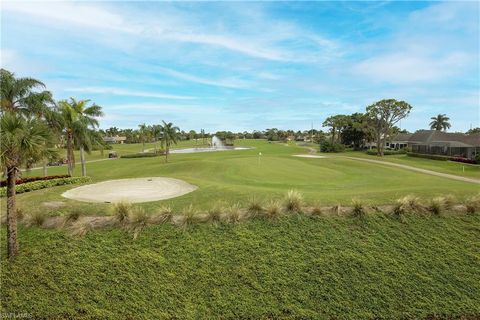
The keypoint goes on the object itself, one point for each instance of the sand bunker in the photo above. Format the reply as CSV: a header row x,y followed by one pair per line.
x,y
131,190
308,156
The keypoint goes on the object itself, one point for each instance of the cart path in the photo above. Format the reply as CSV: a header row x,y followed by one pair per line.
x,y
90,161
430,172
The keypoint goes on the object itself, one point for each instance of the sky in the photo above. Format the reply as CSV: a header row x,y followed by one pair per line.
x,y
250,65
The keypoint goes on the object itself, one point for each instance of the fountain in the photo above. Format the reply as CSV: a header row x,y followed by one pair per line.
x,y
216,145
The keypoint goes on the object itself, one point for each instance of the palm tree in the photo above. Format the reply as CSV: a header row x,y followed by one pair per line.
x,y
17,94
77,118
22,140
144,133
440,122
169,135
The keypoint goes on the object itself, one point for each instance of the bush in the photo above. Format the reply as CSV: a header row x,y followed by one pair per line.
x,y
234,213
328,146
473,204
255,207
137,221
464,160
164,215
188,215
428,156
436,205
293,201
215,213
37,218
19,181
386,152
143,155
316,209
42,184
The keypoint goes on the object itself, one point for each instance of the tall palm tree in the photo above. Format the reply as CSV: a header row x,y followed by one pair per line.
x,y
440,122
22,140
169,135
77,118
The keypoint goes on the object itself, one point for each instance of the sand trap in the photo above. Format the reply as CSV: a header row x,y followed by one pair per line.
x,y
131,190
308,156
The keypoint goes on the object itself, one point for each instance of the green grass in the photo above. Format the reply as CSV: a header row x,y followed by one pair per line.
x,y
451,167
235,176
293,267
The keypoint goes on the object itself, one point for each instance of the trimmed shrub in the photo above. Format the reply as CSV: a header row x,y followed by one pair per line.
x,y
464,160
386,152
142,155
428,156
3,183
42,184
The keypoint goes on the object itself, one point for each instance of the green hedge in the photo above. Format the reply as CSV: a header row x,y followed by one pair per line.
x,y
373,152
37,185
141,155
428,156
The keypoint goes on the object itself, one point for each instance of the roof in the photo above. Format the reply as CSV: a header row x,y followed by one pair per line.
x,y
402,137
443,138
117,138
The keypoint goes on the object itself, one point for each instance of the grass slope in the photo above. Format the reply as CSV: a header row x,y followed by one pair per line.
x,y
296,267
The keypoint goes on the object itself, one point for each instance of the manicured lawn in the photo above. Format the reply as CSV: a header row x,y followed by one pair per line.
x,y
296,267
451,167
237,176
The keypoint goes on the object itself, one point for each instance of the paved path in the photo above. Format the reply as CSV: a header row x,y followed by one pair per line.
x,y
430,172
76,163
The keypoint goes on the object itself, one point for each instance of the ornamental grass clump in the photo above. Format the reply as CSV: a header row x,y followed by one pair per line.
x,y
122,211
273,209
473,204
316,209
407,204
80,228
164,215
234,213
137,221
188,216
358,209
215,213
293,201
255,207
36,218
436,205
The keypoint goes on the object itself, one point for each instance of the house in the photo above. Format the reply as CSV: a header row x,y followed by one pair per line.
x,y
445,143
400,141
114,140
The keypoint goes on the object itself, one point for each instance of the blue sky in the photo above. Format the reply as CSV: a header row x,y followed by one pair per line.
x,y
250,65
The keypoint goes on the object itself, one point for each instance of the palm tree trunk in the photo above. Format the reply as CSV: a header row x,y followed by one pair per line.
x,y
166,154
82,159
45,170
70,154
12,244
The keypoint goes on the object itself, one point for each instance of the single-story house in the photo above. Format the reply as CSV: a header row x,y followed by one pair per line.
x,y
114,140
445,143
400,141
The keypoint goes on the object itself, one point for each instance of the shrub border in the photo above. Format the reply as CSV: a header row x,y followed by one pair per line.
x,y
42,184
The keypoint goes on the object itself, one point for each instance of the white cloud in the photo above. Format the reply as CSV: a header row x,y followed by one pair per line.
x,y
227,82
124,92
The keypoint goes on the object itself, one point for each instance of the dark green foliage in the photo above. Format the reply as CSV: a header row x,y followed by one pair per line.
x,y
428,156
373,152
142,155
328,146
293,267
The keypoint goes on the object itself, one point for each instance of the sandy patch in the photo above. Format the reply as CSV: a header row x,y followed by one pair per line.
x,y
53,204
131,190
308,156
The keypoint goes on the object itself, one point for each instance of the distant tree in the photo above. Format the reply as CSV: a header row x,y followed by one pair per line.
x,y
144,133
78,117
384,114
112,131
440,122
335,123
355,130
169,136
473,131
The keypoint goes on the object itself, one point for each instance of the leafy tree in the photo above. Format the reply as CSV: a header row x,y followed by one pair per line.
x,y
335,123
473,131
169,136
440,122
384,114
77,117
355,130
22,140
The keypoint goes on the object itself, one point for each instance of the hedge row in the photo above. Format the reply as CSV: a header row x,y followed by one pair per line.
x,y
142,155
42,184
440,157
373,152
3,183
